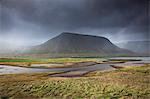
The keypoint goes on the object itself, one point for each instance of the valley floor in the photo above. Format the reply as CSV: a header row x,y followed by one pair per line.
x,y
51,62
130,82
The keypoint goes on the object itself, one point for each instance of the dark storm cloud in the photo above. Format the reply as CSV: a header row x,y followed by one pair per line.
x,y
54,16
79,13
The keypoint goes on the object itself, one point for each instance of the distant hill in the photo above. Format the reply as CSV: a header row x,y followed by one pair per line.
x,y
142,47
72,44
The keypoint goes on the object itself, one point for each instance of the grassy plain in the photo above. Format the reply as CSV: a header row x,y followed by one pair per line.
x,y
66,62
127,83
60,60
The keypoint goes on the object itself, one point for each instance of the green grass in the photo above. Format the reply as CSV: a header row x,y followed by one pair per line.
x,y
59,60
74,59
27,62
17,60
125,83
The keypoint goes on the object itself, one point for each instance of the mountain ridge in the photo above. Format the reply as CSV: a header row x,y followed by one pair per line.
x,y
74,43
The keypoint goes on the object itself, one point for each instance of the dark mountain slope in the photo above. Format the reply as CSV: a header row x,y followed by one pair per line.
x,y
71,43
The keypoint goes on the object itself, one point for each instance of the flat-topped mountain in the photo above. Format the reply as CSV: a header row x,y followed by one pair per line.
x,y
79,44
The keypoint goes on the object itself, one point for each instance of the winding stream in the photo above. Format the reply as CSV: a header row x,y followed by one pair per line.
x,y
4,69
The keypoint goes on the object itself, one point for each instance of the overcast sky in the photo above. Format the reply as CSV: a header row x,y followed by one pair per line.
x,y
31,22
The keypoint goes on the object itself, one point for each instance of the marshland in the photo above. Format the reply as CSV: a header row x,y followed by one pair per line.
x,y
74,49
98,80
